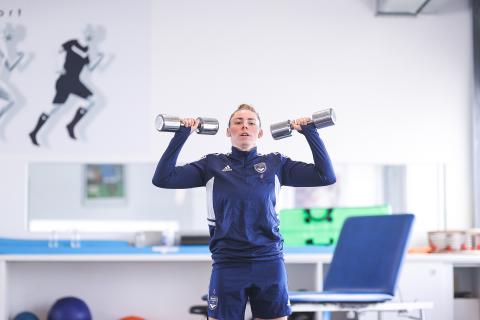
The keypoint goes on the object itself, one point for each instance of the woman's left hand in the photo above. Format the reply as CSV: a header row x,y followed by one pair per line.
x,y
296,124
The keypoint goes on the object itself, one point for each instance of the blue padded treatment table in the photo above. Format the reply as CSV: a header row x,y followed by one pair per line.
x,y
366,261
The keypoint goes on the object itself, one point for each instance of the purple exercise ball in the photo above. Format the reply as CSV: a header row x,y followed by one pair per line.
x,y
69,308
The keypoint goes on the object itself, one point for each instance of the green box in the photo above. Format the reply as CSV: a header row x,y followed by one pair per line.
x,y
320,226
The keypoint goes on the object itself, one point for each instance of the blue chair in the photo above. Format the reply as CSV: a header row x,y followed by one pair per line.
x,y
365,265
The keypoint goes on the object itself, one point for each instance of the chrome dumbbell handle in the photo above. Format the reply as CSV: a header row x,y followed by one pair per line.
x,y
166,123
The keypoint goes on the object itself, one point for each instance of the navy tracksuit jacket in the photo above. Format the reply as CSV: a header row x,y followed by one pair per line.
x,y
242,190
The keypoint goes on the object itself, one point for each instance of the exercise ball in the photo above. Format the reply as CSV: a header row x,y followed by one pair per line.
x,y
26,315
69,308
132,318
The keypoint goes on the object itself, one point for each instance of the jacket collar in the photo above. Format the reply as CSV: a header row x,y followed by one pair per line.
x,y
244,155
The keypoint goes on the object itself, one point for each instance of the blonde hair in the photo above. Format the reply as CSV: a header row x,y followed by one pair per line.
x,y
248,107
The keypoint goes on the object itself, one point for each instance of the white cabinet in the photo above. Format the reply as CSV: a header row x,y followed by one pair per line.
x,y
428,281
424,281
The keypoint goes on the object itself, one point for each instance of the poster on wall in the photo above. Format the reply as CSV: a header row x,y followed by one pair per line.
x,y
104,184
74,76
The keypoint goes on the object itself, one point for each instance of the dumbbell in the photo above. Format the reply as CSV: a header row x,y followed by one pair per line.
x,y
166,123
321,119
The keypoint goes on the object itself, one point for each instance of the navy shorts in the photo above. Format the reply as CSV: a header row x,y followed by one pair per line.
x,y
262,283
70,85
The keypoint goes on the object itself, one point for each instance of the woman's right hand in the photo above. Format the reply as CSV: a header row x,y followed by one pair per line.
x,y
297,123
190,123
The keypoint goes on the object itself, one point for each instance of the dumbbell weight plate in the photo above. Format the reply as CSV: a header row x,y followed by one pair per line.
x,y
207,126
281,130
324,118
167,123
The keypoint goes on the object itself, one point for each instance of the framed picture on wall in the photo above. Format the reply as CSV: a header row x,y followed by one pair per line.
x,y
104,184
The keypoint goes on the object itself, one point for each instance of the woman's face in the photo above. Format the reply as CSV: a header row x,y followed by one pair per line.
x,y
244,130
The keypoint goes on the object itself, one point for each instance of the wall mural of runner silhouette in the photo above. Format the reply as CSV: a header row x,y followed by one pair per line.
x,y
11,58
71,85
77,58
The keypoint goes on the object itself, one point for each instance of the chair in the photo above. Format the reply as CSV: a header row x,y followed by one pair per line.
x,y
364,269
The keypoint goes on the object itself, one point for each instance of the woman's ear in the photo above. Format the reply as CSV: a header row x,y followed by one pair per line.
x,y
260,133
228,132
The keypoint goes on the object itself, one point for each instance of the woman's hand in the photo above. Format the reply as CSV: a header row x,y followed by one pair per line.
x,y
300,121
190,123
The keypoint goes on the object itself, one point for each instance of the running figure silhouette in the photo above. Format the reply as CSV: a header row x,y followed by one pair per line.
x,y
8,61
76,58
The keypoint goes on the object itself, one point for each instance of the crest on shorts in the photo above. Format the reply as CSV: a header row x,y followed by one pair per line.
x,y
260,167
212,302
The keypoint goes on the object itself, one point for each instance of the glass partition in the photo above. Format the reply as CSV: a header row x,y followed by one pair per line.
x,y
113,196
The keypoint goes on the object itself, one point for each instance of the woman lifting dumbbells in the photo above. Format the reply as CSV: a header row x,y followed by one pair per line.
x,y
242,189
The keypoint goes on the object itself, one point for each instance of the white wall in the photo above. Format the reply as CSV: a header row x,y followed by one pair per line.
x,y
401,86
